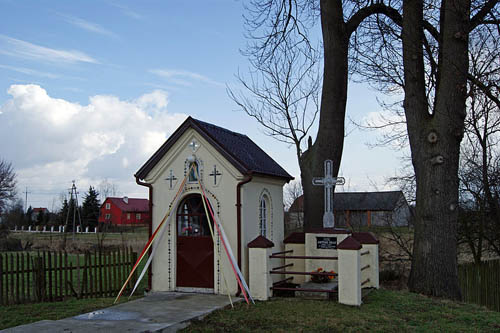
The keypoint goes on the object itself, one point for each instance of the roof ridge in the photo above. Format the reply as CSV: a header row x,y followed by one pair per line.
x,y
218,127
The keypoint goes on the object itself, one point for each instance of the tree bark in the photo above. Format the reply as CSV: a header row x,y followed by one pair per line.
x,y
330,139
435,144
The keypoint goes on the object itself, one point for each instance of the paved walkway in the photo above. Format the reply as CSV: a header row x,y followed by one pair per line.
x,y
157,312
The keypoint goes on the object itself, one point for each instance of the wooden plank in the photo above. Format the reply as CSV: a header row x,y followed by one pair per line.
x,y
91,277
101,285
119,268
1,280
18,273
115,282
132,263
11,277
29,276
61,283
78,285
24,275
108,275
66,272
49,270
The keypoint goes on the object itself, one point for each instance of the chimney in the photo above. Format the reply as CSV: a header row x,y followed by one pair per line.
x,y
125,199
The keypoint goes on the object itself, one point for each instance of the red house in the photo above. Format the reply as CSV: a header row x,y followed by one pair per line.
x,y
125,211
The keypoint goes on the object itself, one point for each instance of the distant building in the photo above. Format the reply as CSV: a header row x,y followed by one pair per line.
x,y
125,211
38,211
355,209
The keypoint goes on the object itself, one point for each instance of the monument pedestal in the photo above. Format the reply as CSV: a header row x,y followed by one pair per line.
x,y
323,243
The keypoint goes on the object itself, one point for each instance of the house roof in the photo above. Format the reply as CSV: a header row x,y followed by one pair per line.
x,y
387,201
35,210
237,148
133,205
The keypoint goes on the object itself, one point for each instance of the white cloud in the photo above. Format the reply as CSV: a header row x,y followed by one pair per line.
x,y
127,11
19,48
52,141
87,25
183,77
29,71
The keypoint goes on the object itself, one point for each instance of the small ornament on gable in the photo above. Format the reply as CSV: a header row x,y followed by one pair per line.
x,y
171,179
194,145
216,176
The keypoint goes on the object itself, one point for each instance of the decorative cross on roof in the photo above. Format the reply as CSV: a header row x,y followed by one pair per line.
x,y
328,182
171,178
194,145
214,174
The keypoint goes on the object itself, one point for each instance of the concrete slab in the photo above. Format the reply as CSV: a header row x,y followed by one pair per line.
x,y
330,289
157,312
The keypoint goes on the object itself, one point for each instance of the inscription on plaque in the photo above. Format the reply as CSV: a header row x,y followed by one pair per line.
x,y
326,243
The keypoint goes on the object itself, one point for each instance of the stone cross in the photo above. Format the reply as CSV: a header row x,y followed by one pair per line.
x,y
328,182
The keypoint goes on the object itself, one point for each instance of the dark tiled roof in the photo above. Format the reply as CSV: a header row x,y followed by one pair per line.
x,y
242,152
358,201
133,205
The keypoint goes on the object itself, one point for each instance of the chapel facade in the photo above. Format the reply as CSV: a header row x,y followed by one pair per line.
x,y
245,190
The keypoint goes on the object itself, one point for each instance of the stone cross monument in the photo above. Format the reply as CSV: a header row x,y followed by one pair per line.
x,y
328,182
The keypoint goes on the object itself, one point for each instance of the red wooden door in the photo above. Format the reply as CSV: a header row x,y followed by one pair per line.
x,y
195,250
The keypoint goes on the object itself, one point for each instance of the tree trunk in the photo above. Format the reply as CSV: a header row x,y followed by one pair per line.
x,y
435,144
330,139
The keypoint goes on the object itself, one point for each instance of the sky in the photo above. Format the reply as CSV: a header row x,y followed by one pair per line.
x,y
90,89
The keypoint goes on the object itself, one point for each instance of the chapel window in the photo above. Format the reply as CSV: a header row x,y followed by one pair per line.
x,y
108,206
263,207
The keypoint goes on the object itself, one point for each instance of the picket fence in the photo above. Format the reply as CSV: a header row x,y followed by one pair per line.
x,y
480,283
55,276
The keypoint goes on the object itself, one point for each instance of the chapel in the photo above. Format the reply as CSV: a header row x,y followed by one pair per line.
x,y
244,186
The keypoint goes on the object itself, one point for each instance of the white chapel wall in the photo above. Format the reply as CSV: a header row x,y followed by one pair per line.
x,y
164,262
251,194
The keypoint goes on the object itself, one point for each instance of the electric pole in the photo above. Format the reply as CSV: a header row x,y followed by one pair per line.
x,y
26,199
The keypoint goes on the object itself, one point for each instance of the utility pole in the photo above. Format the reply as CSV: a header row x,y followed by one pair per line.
x,y
26,199
75,208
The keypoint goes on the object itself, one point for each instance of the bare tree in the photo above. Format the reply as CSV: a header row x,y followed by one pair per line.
x,y
425,54
107,189
7,184
282,47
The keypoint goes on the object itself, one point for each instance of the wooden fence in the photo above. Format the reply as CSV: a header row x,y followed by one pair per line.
x,y
55,276
480,284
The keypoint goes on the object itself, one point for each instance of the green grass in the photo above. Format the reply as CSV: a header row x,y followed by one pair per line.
x,y
15,315
382,311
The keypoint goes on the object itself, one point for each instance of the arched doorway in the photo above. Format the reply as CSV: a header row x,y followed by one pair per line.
x,y
195,249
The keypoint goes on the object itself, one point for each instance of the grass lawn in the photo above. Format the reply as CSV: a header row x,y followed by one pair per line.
x,y
382,311
14,315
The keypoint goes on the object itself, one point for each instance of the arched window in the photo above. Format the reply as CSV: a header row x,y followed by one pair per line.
x,y
191,218
263,213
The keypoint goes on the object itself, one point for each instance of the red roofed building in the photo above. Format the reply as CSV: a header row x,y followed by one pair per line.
x,y
125,211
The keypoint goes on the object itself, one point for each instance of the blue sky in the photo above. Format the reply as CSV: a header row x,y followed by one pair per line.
x,y
89,89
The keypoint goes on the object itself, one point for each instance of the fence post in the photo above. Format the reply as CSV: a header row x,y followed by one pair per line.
x,y
349,270
259,263
133,261
38,279
1,280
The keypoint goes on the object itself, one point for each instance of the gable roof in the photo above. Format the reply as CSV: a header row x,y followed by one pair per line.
x,y
237,148
387,201
133,205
